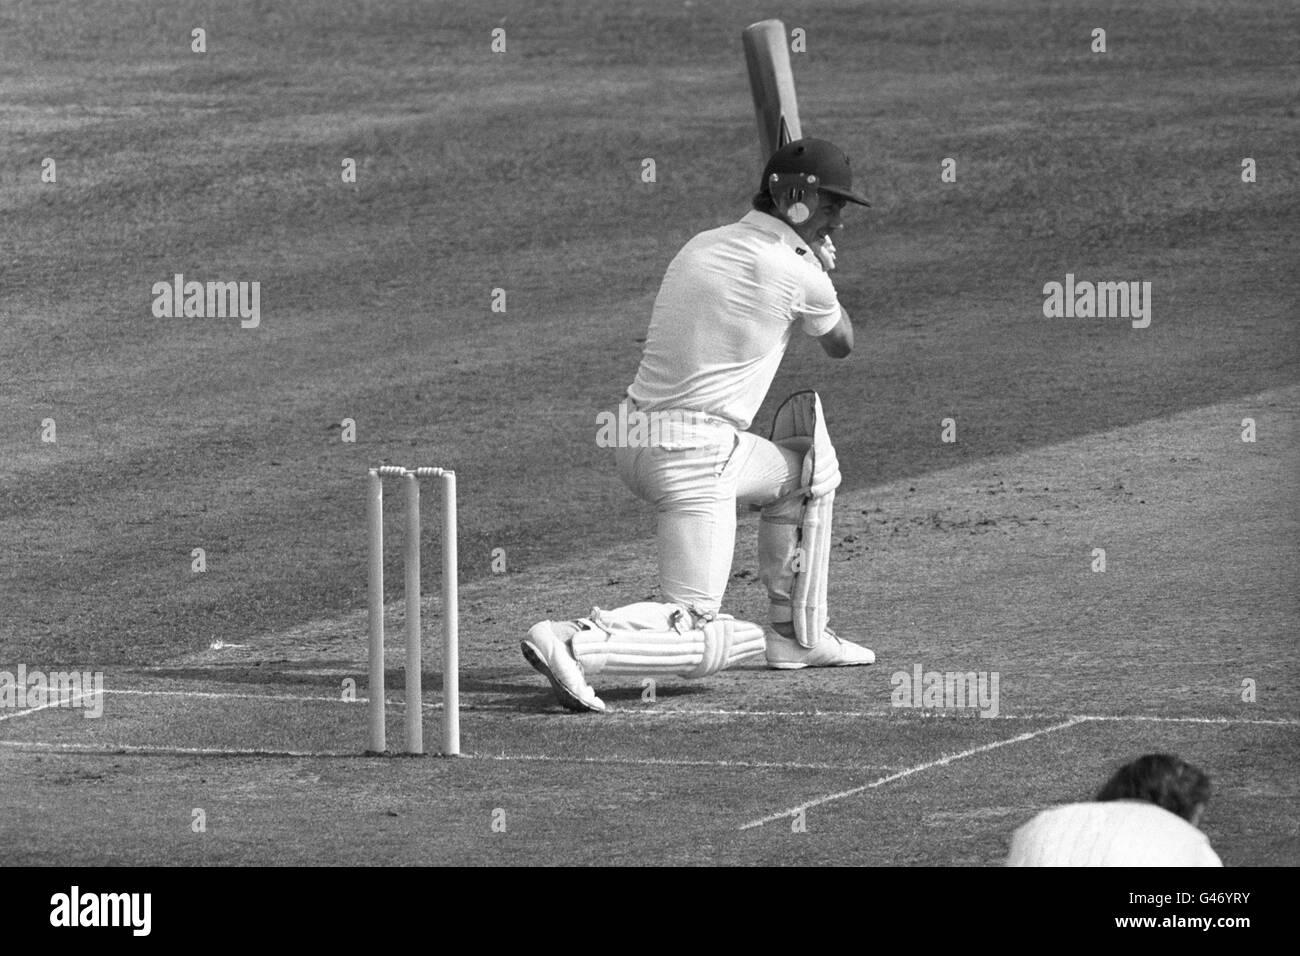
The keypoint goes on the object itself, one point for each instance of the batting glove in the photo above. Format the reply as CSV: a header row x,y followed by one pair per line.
x,y
825,252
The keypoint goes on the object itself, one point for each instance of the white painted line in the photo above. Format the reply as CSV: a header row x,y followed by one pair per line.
x,y
1227,721
667,762
663,712
942,761
297,698
164,750
67,704
29,710
222,695
950,715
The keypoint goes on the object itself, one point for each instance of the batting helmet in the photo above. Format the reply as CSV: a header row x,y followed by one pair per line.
x,y
814,158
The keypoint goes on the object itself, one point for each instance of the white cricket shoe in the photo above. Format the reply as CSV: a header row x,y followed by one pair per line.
x,y
787,654
547,648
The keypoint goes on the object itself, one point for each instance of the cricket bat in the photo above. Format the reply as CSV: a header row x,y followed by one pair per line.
x,y
767,55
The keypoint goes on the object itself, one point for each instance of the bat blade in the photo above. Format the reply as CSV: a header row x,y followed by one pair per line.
x,y
771,81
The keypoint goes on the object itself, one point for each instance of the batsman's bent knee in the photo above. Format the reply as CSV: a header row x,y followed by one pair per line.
x,y
727,642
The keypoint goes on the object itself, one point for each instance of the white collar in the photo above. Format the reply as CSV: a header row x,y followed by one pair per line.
x,y
777,227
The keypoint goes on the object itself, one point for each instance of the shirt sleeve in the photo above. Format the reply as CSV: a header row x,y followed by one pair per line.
x,y
1206,856
819,306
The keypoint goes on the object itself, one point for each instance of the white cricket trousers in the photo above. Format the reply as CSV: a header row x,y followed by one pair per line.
x,y
695,474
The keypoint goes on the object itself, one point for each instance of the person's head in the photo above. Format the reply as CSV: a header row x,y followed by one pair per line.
x,y
807,183
1164,780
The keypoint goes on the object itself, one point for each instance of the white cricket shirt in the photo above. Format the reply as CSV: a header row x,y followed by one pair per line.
x,y
1110,833
724,315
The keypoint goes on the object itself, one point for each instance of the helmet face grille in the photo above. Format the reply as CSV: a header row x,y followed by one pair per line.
x,y
795,195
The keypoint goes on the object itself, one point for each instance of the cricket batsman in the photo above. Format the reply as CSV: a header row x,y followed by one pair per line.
x,y
728,306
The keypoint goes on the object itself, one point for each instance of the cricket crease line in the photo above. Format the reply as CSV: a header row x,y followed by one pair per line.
x,y
164,750
942,761
1230,721
71,702
302,698
220,695
901,713
892,712
670,762
167,750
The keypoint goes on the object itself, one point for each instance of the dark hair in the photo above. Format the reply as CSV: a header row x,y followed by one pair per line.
x,y
763,202
1162,779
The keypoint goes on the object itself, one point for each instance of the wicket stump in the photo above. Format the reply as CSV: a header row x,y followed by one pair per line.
x,y
450,660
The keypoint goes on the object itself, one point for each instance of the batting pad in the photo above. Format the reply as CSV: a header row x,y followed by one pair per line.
x,y
808,603
649,639
794,539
